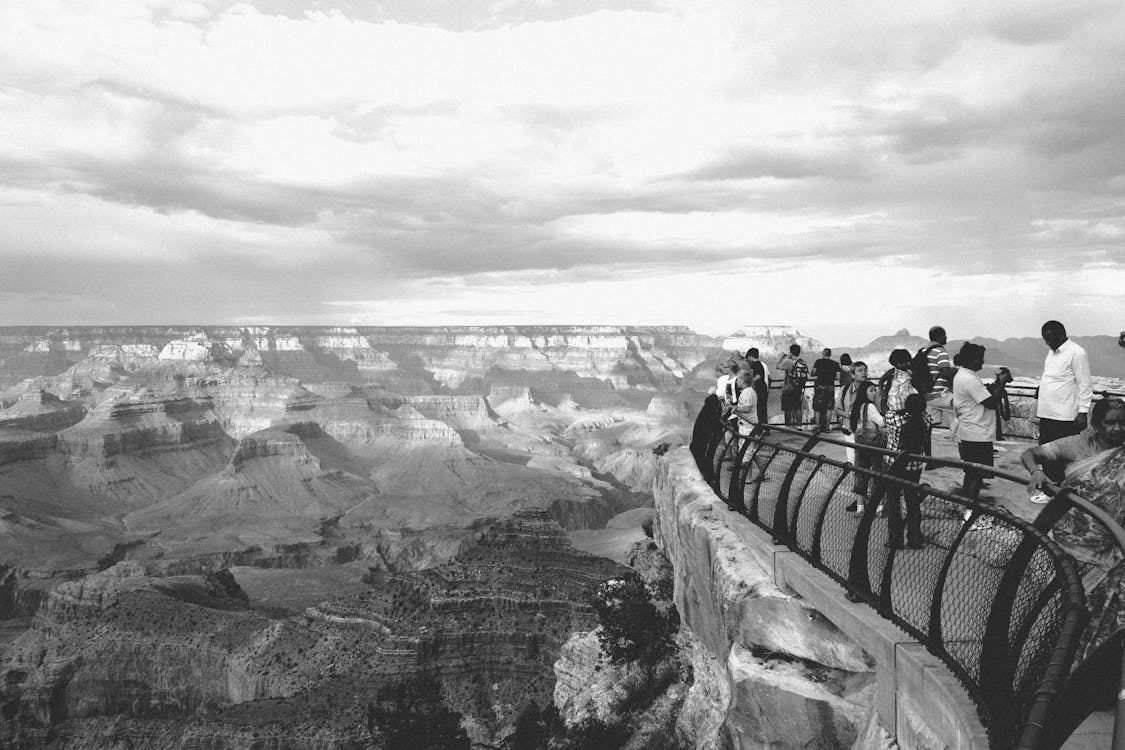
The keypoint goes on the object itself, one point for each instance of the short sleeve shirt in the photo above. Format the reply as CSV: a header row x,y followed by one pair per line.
x,y
937,359
976,423
826,370
1073,447
900,388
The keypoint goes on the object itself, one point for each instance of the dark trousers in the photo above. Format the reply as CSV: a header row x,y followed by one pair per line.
x,y
896,493
977,453
1050,430
864,459
763,393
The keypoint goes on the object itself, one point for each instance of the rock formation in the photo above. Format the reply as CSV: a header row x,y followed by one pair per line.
x,y
198,657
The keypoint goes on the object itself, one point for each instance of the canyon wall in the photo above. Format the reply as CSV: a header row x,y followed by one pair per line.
x,y
790,662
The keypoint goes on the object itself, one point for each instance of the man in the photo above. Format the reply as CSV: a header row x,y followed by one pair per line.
x,y
793,387
974,404
939,400
761,384
824,372
1065,390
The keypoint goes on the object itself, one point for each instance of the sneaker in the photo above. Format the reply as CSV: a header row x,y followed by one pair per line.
x,y
1039,497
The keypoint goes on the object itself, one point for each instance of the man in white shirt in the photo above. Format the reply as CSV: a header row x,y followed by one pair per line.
x,y
1065,389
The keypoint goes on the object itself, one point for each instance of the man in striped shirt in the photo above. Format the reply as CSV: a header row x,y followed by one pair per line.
x,y
939,401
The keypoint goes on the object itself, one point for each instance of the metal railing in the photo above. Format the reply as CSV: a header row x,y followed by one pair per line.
x,y
1021,422
992,595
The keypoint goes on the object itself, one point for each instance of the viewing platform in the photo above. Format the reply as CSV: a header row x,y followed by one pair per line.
x,y
989,598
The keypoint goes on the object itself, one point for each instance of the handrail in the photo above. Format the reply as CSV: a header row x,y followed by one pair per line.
x,y
1028,690
1022,423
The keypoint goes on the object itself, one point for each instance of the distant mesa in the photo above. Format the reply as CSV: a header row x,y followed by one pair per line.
x,y
771,341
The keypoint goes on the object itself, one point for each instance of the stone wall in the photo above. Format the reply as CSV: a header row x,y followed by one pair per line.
x,y
797,664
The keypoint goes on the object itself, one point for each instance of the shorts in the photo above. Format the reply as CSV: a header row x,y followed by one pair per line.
x,y
823,398
790,399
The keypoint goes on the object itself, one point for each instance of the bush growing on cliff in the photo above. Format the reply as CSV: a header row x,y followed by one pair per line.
x,y
411,715
633,627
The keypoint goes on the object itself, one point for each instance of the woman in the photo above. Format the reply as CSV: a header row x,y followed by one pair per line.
x,y
867,426
1107,431
1098,476
974,404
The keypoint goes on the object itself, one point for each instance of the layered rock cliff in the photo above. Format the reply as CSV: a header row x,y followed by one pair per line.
x,y
779,674
186,659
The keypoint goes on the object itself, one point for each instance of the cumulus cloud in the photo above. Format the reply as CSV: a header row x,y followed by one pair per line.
x,y
309,160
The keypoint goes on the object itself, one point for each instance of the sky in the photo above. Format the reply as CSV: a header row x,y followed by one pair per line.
x,y
850,168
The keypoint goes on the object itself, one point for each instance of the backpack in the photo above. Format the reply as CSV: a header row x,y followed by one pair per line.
x,y
920,376
885,389
797,374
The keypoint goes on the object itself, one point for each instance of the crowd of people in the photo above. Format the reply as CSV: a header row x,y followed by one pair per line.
x,y
919,391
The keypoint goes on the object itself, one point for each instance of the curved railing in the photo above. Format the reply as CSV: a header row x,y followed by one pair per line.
x,y
990,594
1020,422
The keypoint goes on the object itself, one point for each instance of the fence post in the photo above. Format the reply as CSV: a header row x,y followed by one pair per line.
x,y
781,509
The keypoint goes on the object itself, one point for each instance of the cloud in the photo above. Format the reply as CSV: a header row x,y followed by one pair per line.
x,y
276,157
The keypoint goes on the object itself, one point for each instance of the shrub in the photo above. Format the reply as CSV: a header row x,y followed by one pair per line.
x,y
633,627
411,715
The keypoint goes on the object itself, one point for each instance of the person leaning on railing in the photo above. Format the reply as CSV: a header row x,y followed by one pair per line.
x,y
1106,432
1099,478
912,437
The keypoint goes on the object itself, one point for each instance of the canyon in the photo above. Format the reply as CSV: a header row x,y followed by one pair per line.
x,y
242,537
231,537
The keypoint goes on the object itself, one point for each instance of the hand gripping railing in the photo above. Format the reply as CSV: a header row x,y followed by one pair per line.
x,y
990,594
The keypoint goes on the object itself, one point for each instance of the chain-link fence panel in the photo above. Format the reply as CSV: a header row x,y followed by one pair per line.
x,y
985,591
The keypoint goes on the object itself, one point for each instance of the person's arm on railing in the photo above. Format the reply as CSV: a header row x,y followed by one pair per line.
x,y
1031,459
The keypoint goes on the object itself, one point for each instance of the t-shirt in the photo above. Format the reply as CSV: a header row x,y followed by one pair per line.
x,y
826,370
976,423
758,370
1074,447
796,371
748,417
937,360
